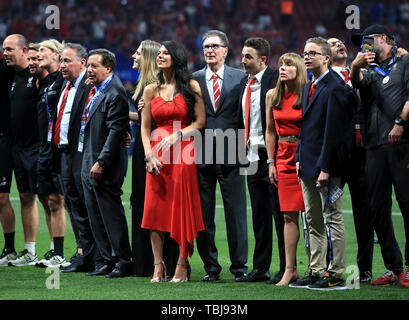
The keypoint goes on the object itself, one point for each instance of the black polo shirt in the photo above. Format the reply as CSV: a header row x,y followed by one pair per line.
x,y
23,110
384,98
6,76
52,86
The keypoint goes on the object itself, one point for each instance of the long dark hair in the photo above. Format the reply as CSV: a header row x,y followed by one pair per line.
x,y
181,74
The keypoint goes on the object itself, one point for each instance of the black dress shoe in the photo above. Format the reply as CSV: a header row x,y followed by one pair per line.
x,y
101,271
76,267
276,279
365,276
211,277
240,277
73,267
122,269
257,275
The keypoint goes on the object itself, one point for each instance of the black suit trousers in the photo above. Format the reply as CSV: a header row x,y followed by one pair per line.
x,y
107,219
233,189
386,166
74,196
357,182
264,206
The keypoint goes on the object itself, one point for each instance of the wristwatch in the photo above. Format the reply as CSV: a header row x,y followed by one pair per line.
x,y
399,121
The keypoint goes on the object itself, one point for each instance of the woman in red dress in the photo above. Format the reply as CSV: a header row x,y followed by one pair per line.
x,y
172,201
283,122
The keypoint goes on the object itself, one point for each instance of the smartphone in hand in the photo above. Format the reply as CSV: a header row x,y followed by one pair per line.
x,y
368,44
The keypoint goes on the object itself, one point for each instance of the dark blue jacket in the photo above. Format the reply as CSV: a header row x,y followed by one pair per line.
x,y
326,120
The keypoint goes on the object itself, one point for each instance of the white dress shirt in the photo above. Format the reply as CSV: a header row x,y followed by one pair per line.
x,y
256,138
65,120
209,82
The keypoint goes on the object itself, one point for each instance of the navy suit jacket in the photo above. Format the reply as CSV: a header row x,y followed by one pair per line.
x,y
107,124
325,123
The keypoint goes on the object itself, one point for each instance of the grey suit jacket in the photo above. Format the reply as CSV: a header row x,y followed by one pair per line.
x,y
106,126
224,118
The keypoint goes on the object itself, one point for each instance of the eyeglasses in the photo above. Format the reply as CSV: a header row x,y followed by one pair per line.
x,y
311,54
212,47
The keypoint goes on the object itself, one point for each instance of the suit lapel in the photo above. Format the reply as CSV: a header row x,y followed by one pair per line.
x,y
206,95
227,80
96,105
100,98
78,97
317,91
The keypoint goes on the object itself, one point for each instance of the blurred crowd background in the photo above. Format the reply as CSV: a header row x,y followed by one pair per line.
x,y
120,25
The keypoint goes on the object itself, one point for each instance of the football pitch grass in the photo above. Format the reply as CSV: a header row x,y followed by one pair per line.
x,y
30,283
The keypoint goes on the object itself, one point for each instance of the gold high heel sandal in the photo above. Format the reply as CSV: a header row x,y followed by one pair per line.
x,y
293,278
177,280
160,279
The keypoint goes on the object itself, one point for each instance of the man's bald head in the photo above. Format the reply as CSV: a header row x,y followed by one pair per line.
x,y
15,51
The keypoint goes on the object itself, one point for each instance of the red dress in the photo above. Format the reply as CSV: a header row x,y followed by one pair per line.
x,y
172,201
287,123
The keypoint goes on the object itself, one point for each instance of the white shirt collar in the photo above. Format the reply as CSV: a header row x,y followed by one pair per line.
x,y
209,73
78,80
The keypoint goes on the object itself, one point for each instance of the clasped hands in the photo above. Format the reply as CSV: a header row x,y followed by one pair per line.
x,y
153,164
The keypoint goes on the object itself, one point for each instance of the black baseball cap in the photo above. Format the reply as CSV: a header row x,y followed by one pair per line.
x,y
373,29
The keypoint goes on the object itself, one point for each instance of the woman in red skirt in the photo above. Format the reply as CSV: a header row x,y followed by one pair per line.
x,y
283,108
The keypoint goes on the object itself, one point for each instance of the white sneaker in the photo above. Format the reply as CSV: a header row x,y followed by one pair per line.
x,y
25,259
47,256
57,262
6,257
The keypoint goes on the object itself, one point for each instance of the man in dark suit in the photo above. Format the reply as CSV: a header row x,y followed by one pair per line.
x,y
104,164
263,195
73,69
220,85
354,173
319,157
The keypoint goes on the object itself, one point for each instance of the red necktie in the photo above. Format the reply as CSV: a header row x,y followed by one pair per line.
x,y
91,94
247,108
312,90
345,73
216,90
60,113
86,110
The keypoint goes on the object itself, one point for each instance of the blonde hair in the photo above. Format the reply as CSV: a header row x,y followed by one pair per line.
x,y
148,71
54,46
301,79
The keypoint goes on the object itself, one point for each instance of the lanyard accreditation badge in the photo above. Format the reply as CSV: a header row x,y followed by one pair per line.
x,y
50,120
87,112
385,74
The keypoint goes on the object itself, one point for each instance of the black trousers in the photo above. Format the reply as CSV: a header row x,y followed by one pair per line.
x,y
142,256
233,189
74,196
357,182
386,166
264,206
108,222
